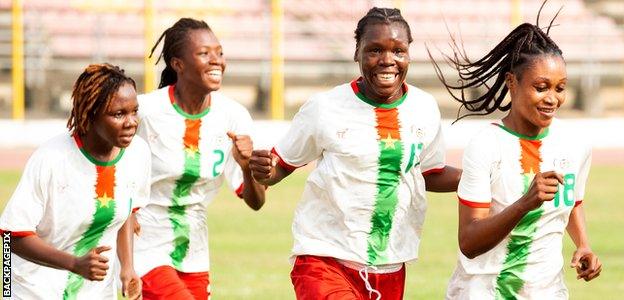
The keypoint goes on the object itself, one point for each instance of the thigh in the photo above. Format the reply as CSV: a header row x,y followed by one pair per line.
x,y
321,278
197,283
164,283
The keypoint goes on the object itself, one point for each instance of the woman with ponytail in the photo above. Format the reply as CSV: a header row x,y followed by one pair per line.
x,y
198,137
524,177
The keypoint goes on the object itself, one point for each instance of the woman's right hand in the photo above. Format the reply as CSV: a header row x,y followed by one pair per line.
x,y
93,265
262,164
544,187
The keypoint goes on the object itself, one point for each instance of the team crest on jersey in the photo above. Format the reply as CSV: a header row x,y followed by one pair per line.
x,y
561,165
341,133
418,132
152,138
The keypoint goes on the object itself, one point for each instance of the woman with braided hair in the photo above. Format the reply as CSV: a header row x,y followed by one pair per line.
x,y
198,138
378,146
524,176
72,209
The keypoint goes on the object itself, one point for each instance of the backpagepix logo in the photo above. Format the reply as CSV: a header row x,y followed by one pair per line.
x,y
6,264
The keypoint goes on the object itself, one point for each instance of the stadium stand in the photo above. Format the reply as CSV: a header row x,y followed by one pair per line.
x,y
63,36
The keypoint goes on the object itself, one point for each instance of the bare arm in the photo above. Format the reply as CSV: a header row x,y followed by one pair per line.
x,y
92,265
130,281
587,264
443,182
253,192
265,168
479,231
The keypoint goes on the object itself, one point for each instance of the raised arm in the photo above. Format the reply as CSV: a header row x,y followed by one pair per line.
x,y
253,192
479,231
92,265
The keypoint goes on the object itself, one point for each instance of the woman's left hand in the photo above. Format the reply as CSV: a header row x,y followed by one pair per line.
x,y
242,148
130,284
587,264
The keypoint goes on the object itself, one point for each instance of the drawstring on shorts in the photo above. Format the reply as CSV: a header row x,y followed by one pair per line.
x,y
364,275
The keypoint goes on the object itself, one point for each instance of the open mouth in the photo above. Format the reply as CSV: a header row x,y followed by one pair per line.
x,y
548,112
386,77
215,74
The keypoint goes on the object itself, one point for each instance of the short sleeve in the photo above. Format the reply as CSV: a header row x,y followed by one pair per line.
x,y
434,154
25,209
474,186
583,174
142,194
300,145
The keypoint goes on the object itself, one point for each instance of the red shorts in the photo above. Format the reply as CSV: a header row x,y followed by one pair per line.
x,y
316,277
165,282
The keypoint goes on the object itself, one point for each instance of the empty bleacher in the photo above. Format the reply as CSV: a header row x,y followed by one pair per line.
x,y
62,36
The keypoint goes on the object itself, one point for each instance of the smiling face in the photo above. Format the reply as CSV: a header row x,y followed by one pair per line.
x,y
201,62
117,124
537,94
383,57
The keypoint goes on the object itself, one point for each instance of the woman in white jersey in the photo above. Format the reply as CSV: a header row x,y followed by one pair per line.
x,y
524,176
378,146
198,137
72,209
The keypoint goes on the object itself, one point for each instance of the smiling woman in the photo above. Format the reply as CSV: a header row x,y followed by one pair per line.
x,y
378,146
74,201
198,138
524,177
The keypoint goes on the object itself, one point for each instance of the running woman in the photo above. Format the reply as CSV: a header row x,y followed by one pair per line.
x,y
198,138
72,209
378,146
524,176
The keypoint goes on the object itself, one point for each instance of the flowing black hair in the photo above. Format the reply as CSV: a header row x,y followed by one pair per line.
x,y
513,54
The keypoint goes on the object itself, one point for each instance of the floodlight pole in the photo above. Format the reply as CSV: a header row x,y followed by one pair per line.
x,y
516,13
17,60
148,37
277,61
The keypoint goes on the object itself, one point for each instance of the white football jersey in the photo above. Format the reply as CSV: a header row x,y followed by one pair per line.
x,y
191,157
499,166
365,200
74,203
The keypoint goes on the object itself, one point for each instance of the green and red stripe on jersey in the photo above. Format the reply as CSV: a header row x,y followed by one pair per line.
x,y
182,189
389,161
102,217
509,280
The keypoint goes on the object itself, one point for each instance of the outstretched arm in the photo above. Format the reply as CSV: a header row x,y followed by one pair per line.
x,y
587,264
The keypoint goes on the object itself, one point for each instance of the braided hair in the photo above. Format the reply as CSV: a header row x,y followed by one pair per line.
x,y
92,92
380,16
513,54
174,39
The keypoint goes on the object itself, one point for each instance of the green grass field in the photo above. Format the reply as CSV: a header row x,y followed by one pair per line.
x,y
249,250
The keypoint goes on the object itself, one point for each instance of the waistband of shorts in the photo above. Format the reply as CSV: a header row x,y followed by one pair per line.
x,y
378,269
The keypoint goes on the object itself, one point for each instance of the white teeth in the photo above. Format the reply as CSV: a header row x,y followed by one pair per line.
x,y
386,76
215,73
